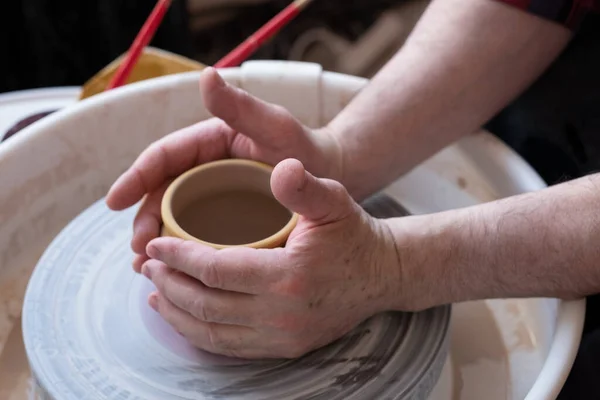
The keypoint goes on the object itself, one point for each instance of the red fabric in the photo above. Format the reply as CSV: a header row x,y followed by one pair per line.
x,y
567,12
518,3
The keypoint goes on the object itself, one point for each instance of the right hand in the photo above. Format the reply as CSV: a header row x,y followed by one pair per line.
x,y
243,127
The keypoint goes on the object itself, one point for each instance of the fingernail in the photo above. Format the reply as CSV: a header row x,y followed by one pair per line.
x,y
147,270
153,301
152,251
218,77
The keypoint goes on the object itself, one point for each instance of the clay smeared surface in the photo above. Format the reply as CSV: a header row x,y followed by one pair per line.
x,y
483,350
479,363
14,370
84,289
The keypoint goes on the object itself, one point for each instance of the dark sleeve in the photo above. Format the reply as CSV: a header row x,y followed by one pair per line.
x,y
569,13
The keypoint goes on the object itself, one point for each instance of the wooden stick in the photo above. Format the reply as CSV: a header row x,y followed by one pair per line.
x,y
266,32
141,41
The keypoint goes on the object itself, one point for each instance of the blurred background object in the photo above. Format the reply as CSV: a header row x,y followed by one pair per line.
x,y
48,43
64,43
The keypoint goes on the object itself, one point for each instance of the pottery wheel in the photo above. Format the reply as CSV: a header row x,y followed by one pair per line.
x,y
90,334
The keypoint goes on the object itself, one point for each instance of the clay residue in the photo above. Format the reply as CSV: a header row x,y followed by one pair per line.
x,y
12,291
465,176
478,349
474,324
457,381
14,369
523,338
21,230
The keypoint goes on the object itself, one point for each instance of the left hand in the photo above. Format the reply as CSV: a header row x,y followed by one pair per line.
x,y
338,268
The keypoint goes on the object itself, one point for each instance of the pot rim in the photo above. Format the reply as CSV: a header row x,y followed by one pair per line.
x,y
171,223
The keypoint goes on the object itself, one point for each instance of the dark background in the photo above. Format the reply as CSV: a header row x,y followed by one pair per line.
x,y
48,43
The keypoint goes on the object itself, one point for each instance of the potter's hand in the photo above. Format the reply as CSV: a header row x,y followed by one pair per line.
x,y
242,302
244,127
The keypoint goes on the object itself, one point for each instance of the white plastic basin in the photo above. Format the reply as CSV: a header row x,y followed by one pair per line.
x,y
55,169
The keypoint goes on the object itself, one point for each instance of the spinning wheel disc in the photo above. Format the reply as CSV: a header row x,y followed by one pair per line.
x,y
89,333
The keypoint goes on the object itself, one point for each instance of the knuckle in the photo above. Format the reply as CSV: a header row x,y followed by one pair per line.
x,y
186,302
161,278
340,191
280,111
339,194
209,273
243,101
168,286
216,340
290,324
186,246
166,311
185,252
201,310
158,146
168,253
296,285
138,173
155,153
285,120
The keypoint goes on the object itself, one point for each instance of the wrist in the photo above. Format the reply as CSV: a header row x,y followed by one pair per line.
x,y
386,279
331,154
337,159
427,274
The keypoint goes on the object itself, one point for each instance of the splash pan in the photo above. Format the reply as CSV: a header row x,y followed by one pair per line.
x,y
60,166
89,332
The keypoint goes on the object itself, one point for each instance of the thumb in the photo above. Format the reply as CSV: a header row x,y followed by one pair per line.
x,y
261,121
319,200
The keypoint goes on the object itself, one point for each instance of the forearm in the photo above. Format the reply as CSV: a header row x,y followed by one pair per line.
x,y
541,244
465,60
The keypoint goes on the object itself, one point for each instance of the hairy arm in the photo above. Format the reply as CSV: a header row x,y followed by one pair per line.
x,y
464,61
541,244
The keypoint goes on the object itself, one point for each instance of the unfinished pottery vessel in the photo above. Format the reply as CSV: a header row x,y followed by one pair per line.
x,y
226,203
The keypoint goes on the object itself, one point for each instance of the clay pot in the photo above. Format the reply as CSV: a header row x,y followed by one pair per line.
x,y
226,203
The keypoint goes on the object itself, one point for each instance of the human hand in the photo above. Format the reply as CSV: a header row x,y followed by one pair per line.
x,y
338,268
243,127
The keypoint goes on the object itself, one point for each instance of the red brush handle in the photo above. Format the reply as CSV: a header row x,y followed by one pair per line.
x,y
250,45
234,58
141,41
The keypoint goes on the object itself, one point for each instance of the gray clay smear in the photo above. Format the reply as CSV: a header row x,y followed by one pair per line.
x,y
89,334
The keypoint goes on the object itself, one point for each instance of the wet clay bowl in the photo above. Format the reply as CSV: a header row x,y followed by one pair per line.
x,y
226,203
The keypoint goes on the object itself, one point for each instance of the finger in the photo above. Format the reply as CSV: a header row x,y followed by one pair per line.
x,y
167,158
204,303
319,200
228,340
138,262
238,269
146,225
243,112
